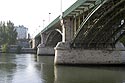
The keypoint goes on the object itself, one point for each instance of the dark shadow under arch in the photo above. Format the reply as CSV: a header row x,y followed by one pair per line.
x,y
53,38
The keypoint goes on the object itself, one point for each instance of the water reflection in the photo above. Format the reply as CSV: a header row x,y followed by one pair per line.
x,y
23,68
47,68
7,68
19,68
64,74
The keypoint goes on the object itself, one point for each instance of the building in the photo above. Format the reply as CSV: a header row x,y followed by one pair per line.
x,y
22,36
22,32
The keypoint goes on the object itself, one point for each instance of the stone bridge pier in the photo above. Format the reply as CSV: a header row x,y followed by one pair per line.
x,y
48,41
64,54
42,49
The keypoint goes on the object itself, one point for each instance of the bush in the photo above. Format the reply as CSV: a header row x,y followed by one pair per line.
x,y
123,40
18,49
5,48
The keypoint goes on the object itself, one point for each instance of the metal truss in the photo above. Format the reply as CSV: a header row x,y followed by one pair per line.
x,y
102,27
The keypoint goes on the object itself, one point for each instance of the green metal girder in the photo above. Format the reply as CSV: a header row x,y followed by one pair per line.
x,y
86,20
79,3
67,12
49,26
73,7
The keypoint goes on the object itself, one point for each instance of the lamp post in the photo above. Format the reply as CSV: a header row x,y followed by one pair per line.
x,y
43,23
49,17
62,23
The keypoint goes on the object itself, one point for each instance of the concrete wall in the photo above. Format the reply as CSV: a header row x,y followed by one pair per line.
x,y
28,50
65,55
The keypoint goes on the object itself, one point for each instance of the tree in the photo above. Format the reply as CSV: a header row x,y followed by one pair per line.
x,y
8,33
123,40
11,33
3,32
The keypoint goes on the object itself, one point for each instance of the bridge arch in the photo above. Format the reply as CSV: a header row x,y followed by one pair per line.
x,y
53,38
35,42
101,26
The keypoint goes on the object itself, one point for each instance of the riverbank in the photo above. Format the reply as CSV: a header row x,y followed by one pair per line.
x,y
23,50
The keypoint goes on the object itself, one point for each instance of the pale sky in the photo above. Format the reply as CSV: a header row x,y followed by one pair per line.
x,y
31,13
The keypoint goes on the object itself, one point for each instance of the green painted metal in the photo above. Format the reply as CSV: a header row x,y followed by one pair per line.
x,y
49,26
66,13
69,10
73,7
87,18
78,4
106,21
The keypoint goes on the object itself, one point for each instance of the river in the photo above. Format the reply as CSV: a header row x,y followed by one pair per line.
x,y
27,68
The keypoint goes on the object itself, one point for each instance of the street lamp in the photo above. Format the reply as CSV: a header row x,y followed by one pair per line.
x,y
62,23
43,23
49,17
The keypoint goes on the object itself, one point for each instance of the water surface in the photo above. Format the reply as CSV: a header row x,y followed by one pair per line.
x,y
27,68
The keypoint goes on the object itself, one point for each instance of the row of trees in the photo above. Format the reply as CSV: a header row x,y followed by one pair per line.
x,y
8,35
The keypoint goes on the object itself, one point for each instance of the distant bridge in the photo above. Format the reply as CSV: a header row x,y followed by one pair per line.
x,y
87,27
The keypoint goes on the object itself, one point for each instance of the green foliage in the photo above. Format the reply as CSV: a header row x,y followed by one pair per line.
x,y
8,33
18,49
123,40
5,48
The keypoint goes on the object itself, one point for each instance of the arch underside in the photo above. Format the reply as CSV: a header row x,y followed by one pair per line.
x,y
104,28
38,41
53,38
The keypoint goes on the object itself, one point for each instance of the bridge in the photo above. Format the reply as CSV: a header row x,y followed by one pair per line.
x,y
88,32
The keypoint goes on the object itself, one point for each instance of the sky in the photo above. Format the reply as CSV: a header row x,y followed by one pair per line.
x,y
33,14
